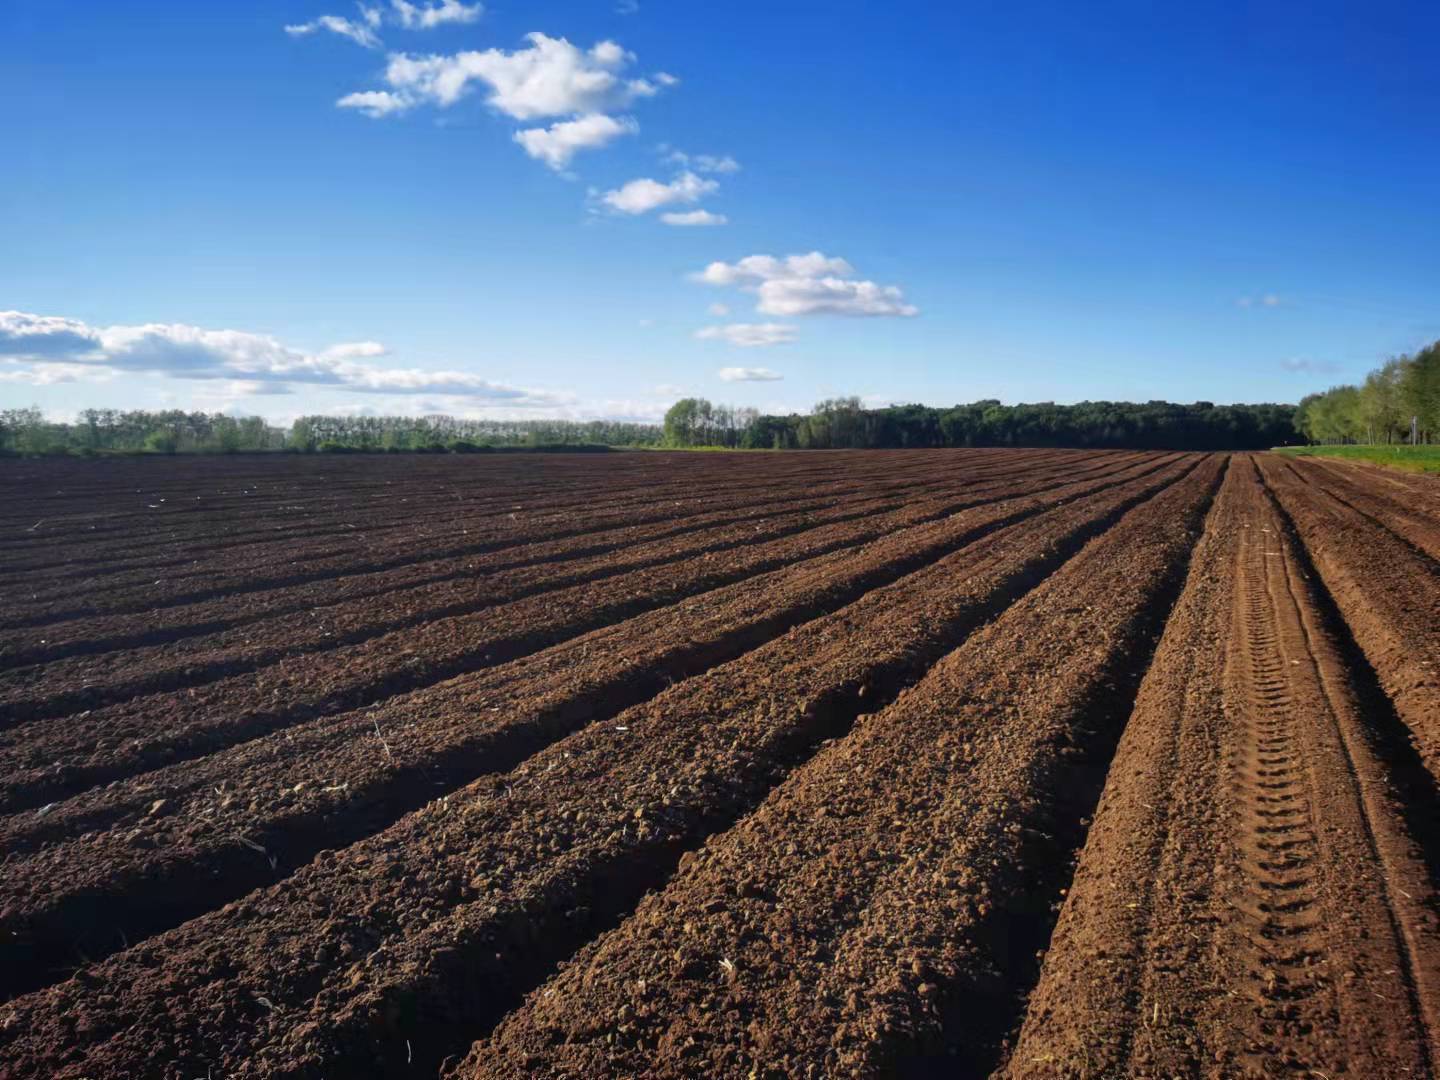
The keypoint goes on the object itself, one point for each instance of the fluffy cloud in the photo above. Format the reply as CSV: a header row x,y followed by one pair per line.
x,y
558,143
749,374
550,78
362,33
749,335
417,17
59,348
644,195
39,337
812,284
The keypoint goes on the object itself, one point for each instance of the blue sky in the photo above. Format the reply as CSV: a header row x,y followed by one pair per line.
x,y
1030,201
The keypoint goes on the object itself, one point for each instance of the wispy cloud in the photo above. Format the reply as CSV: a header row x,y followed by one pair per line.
x,y
693,218
749,335
361,33
812,284
1304,365
701,163
1267,300
749,374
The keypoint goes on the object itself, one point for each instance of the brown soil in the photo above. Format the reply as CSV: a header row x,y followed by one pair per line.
x,y
354,767
1250,901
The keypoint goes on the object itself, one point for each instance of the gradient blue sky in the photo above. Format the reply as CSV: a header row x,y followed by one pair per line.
x,y
1234,202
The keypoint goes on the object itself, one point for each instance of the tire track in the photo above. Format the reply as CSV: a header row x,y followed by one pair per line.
x,y
1251,901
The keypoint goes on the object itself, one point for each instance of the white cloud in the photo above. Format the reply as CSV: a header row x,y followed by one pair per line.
x,y
749,335
1306,366
417,17
1269,300
374,103
703,163
719,310
38,337
362,33
49,374
761,268
693,218
410,16
812,284
550,78
558,143
831,296
749,374
627,7
246,359
644,195
355,350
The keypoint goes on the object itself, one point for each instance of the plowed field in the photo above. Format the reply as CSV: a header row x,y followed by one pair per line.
x,y
1011,763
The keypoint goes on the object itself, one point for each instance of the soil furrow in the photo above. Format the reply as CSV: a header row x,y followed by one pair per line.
x,y
422,544
1388,592
325,783
1419,530
51,757
103,676
1250,901
207,620
840,928
448,914
415,522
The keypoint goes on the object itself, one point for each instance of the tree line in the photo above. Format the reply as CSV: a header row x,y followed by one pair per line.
x,y
439,433
172,431
836,423
1398,402
844,423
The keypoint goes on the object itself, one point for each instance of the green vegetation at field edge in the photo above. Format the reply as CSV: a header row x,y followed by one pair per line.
x,y
1424,459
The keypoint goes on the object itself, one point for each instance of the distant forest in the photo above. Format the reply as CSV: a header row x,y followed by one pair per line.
x,y
1398,401
838,423
844,423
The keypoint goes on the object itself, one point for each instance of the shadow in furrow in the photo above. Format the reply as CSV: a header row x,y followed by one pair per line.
x,y
466,991
50,950
979,1022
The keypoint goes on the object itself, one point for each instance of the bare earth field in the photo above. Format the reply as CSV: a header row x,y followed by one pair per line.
x,y
1011,763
